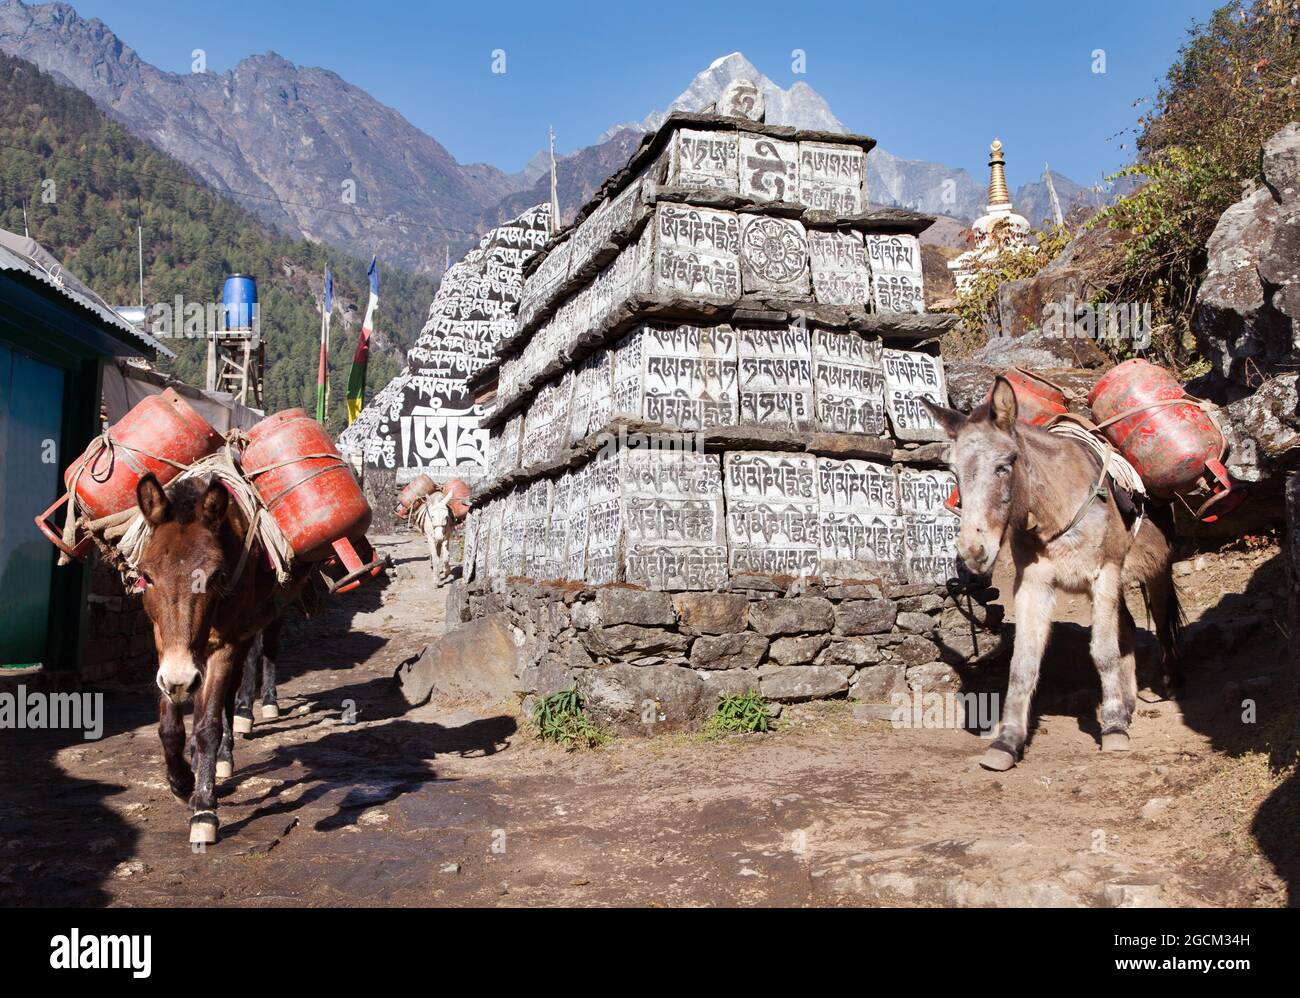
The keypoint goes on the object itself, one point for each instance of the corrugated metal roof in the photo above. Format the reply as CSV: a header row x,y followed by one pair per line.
x,y
9,260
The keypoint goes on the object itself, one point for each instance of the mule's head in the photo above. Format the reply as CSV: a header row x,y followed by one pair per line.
x,y
985,450
180,568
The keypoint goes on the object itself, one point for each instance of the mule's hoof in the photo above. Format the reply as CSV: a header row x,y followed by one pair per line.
x,y
270,711
997,759
203,829
1116,741
225,770
242,725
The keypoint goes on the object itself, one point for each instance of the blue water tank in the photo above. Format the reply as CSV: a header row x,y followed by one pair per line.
x,y
238,298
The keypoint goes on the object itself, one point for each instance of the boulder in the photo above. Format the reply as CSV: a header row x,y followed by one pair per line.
x,y
850,651
728,682
478,661
932,677
712,613
801,615
1247,317
647,700
1293,566
1263,430
728,651
914,649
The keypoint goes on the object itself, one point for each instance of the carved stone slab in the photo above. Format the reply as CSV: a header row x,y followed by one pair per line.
x,y
589,409
775,376
674,535
832,177
769,168
862,545
773,256
557,529
856,486
687,376
604,519
931,543
772,513
924,490
707,160
544,283
896,281
840,273
909,376
575,545
848,382
537,516
741,98
697,252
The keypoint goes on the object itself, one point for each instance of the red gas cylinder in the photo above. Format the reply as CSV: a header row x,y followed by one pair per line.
x,y
162,434
1038,400
309,490
419,487
459,492
1168,437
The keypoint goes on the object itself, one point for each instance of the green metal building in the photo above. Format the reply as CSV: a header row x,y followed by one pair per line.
x,y
55,337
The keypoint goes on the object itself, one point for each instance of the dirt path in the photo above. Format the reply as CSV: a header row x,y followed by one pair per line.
x,y
454,804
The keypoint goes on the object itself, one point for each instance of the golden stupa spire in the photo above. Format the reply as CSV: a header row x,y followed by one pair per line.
x,y
997,175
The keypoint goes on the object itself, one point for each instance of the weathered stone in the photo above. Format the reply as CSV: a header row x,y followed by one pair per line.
x,y
870,616
932,677
927,603
795,683
631,640
865,590
635,606
850,651
915,623
729,682
802,615
1263,430
1280,163
479,660
728,651
758,583
646,700
712,613
877,683
797,651
956,618
585,615
1293,567
961,646
555,671
457,604
915,649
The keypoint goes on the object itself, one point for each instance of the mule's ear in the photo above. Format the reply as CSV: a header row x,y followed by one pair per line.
x,y
1003,406
213,505
153,501
950,419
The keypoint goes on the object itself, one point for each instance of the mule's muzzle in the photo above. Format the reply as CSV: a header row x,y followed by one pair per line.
x,y
178,679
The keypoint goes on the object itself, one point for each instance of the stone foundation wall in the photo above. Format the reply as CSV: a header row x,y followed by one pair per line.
x,y
647,662
119,637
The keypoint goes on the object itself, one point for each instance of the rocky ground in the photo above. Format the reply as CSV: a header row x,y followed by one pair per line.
x,y
350,798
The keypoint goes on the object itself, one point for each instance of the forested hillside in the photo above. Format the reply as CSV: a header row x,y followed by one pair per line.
x,y
87,184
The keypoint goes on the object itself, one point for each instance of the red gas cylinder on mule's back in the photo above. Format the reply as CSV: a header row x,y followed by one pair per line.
x,y
1167,436
161,434
459,492
419,487
312,494
1038,400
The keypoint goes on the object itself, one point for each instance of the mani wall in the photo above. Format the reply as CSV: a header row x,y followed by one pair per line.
x,y
425,419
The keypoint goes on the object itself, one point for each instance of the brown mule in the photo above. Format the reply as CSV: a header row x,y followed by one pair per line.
x,y
1037,490
206,612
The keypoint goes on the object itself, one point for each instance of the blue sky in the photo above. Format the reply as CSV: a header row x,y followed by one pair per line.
x,y
932,81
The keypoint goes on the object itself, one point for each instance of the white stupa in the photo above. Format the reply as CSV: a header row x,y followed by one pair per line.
x,y
997,229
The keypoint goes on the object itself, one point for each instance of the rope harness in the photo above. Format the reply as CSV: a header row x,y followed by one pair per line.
x,y
121,537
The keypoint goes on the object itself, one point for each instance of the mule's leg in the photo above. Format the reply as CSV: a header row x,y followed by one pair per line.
x,y
270,652
1112,650
1163,600
444,555
1035,600
223,672
171,732
242,719
226,749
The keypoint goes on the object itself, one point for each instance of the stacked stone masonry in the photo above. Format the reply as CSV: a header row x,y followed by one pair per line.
x,y
710,468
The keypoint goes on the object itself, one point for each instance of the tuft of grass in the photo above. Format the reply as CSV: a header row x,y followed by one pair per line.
x,y
739,712
561,718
